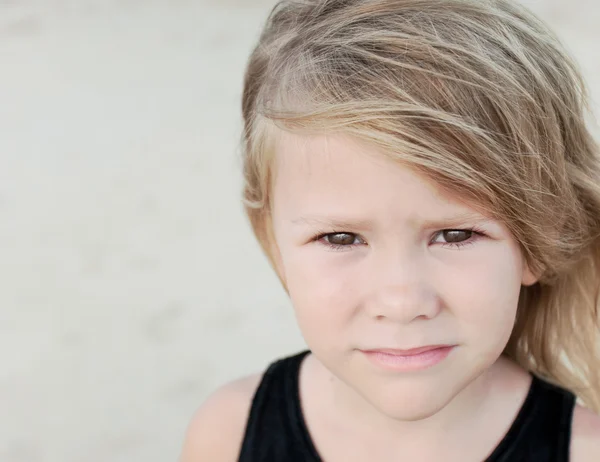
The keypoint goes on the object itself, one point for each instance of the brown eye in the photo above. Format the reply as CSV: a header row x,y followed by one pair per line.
x,y
458,238
456,235
341,239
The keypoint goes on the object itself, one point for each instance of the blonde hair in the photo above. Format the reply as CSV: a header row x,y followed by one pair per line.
x,y
479,96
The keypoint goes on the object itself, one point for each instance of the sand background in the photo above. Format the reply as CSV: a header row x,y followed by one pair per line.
x,y
131,285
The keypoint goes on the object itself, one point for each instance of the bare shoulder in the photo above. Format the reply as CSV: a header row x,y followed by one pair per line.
x,y
217,428
585,442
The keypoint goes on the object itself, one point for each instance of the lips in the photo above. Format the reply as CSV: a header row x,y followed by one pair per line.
x,y
408,360
408,352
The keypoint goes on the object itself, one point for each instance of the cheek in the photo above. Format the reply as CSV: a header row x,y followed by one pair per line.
x,y
485,299
322,290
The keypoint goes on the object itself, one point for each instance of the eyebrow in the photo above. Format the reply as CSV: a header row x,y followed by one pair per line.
x,y
341,223
331,222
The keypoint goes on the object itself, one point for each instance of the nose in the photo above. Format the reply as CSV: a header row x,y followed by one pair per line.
x,y
402,293
404,305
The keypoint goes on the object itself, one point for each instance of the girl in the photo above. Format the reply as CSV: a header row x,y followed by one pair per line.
x,y
420,175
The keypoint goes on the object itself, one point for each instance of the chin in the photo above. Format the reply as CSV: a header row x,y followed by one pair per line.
x,y
413,402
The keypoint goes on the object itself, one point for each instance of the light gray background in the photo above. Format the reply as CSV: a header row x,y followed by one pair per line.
x,y
131,285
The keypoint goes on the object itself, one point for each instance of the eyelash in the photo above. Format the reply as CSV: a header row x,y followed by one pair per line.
x,y
476,235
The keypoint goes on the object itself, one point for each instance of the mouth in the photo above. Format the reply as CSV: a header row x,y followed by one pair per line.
x,y
407,352
407,360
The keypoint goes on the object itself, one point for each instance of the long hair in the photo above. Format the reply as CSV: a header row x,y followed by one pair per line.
x,y
481,98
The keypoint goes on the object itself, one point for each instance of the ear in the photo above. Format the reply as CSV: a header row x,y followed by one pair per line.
x,y
277,264
277,261
529,277
273,252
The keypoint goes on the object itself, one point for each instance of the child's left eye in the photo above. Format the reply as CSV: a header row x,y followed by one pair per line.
x,y
459,237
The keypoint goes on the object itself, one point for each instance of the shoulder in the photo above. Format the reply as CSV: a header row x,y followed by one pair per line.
x,y
585,441
217,428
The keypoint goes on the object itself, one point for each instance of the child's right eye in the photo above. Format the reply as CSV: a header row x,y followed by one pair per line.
x,y
340,241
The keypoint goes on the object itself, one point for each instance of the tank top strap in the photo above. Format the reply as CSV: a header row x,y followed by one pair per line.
x,y
276,430
542,429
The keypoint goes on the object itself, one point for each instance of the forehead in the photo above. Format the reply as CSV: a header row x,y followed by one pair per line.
x,y
339,168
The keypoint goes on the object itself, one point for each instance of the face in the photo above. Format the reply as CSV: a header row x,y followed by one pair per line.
x,y
377,260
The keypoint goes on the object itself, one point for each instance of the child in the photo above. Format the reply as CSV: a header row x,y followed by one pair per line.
x,y
420,175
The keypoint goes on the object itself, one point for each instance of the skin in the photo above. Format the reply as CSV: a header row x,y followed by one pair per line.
x,y
396,282
395,279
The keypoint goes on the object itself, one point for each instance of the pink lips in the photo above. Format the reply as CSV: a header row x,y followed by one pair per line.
x,y
409,360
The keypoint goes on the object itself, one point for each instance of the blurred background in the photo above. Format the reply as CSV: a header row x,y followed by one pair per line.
x,y
131,285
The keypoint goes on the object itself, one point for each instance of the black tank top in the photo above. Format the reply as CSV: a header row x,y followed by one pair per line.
x,y
276,430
